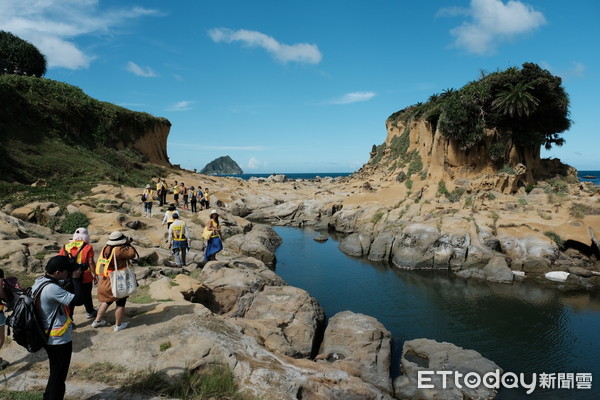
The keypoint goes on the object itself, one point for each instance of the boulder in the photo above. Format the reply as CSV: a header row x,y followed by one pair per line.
x,y
260,243
497,270
585,273
228,283
352,245
412,248
359,345
285,319
381,247
429,355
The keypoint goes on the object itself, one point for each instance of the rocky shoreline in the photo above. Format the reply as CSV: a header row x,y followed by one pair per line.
x,y
275,338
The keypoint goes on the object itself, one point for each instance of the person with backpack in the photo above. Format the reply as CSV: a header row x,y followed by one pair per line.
x,y
3,299
53,302
80,251
179,240
115,255
147,199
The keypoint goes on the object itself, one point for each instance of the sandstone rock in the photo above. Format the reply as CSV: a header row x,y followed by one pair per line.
x,y
381,247
285,319
352,245
321,238
230,282
535,265
261,243
359,345
586,273
163,290
497,271
429,355
410,249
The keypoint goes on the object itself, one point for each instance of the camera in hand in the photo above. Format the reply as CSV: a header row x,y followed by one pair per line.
x,y
81,267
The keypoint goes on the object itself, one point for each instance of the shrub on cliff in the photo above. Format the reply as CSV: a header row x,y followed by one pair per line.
x,y
528,106
21,56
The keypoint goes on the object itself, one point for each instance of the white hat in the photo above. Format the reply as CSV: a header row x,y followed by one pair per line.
x,y
81,234
148,186
116,238
213,212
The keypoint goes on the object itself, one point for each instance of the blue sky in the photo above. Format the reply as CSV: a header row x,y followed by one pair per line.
x,y
306,86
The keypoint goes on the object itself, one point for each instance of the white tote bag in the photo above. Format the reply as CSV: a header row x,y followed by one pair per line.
x,y
123,282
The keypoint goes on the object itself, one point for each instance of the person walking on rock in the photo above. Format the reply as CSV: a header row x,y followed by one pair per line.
x,y
54,303
82,253
179,240
118,250
214,244
176,194
193,199
168,218
147,200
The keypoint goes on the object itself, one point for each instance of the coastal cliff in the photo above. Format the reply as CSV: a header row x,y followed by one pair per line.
x,y
40,116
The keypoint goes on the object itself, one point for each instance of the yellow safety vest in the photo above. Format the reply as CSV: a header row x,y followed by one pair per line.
x,y
62,329
178,232
76,244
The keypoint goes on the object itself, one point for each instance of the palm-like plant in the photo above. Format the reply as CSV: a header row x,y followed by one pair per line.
x,y
516,100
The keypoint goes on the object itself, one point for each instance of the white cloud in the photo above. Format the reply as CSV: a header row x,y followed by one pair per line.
x,y
354,97
300,52
140,71
492,22
253,163
180,106
54,25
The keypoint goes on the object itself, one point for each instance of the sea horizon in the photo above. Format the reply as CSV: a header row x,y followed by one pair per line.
x,y
583,175
289,175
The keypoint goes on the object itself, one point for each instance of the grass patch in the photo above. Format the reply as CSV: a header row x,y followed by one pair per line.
x,y
522,201
141,296
579,211
215,382
165,346
377,217
20,395
103,372
556,239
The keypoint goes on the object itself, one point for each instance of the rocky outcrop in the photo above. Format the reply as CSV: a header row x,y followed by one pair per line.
x,y
359,345
429,356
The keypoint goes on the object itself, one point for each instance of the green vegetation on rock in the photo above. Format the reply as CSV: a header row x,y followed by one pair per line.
x,y
528,106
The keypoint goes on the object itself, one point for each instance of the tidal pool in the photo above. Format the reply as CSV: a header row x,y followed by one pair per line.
x,y
523,327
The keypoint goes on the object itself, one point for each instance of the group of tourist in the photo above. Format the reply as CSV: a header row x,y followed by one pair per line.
x,y
68,281
187,198
184,197
179,238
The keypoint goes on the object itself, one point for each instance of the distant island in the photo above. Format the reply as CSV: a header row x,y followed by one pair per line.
x,y
222,165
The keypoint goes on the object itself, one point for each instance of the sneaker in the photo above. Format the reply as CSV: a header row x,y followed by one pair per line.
x,y
97,324
118,328
91,315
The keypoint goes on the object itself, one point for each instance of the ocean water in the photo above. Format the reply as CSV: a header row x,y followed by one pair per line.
x,y
523,327
292,176
589,176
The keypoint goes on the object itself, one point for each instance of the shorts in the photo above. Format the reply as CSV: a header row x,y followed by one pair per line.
x,y
2,318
